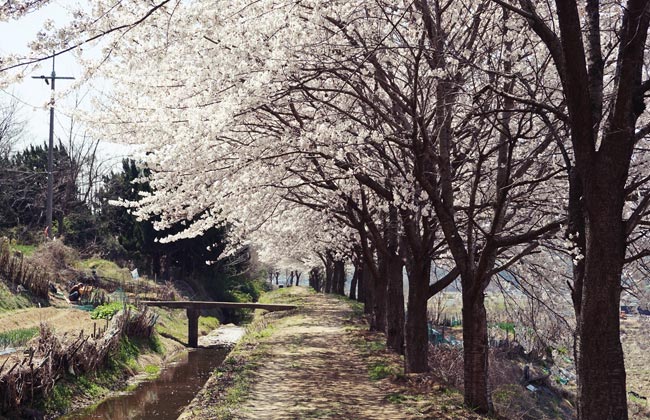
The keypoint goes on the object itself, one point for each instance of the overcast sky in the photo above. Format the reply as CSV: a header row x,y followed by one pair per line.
x,y
33,95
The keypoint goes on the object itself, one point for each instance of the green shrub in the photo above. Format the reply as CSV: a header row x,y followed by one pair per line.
x,y
239,296
108,310
208,323
152,370
380,371
563,351
59,399
396,398
126,354
156,344
242,290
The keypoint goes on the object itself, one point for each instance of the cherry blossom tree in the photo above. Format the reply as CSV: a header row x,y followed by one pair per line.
x,y
368,74
598,54
394,135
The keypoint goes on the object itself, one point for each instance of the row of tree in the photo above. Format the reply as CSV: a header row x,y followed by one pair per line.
x,y
466,139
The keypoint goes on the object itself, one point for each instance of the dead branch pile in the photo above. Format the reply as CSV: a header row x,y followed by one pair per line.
x,y
141,287
167,291
141,323
16,271
55,257
36,373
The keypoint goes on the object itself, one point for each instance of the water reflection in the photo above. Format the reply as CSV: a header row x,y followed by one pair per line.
x,y
165,397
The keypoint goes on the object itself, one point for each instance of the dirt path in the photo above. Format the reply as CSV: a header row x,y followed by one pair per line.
x,y
313,370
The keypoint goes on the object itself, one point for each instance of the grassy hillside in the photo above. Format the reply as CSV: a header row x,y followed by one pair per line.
x,y
10,301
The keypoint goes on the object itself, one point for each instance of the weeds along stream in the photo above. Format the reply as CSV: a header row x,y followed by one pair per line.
x,y
162,398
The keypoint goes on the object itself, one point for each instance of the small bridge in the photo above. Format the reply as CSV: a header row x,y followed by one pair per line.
x,y
193,308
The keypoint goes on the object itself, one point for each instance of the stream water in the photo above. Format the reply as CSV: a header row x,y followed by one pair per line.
x,y
7,350
164,397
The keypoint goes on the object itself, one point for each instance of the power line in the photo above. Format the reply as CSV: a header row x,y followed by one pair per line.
x,y
6,92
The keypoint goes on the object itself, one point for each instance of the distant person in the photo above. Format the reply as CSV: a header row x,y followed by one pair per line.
x,y
75,292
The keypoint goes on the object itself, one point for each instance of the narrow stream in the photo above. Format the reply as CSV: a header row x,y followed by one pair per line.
x,y
164,397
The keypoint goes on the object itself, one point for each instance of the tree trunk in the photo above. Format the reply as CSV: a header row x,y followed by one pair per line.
x,y
329,274
600,360
361,289
339,278
392,269
603,166
395,305
475,351
315,277
379,289
353,284
368,293
60,224
417,342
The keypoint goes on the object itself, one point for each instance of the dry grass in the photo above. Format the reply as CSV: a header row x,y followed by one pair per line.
x,y
511,399
16,271
635,335
50,357
54,257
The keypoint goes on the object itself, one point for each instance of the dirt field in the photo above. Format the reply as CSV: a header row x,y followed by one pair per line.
x,y
61,319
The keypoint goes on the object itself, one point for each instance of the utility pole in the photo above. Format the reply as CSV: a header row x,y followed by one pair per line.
x,y
50,158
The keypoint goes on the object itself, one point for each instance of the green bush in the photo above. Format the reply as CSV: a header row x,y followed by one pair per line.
x,y
126,354
104,268
152,370
246,290
59,399
156,344
380,371
108,310
239,296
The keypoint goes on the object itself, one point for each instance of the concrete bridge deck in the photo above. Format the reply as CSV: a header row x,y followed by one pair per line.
x,y
193,308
